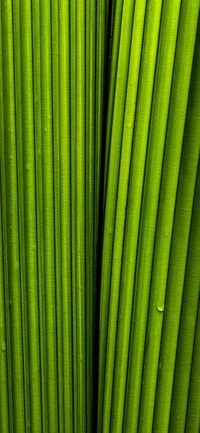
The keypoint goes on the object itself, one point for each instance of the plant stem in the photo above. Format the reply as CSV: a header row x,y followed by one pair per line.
x,y
181,226
65,214
193,410
192,277
12,220
48,215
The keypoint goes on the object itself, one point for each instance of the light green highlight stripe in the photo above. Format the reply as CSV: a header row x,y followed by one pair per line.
x,y
72,61
90,173
39,202
65,216
30,217
48,215
100,32
55,8
4,397
80,127
100,101
12,219
4,329
20,192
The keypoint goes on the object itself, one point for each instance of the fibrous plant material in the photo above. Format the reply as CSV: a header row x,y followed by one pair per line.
x,y
99,216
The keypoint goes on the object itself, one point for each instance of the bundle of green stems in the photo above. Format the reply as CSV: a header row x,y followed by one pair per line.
x,y
99,216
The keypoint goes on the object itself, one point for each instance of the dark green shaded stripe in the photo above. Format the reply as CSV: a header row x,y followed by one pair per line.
x,y
193,409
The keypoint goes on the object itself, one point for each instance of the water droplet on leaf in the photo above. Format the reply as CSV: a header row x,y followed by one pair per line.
x,y
3,346
160,308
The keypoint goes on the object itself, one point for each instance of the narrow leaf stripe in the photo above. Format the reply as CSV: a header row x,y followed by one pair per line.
x,y
48,214
5,401
39,201
72,59
20,175
80,130
90,200
12,222
65,216
56,189
193,412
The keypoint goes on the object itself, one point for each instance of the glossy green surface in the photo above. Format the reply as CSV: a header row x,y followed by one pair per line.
x,y
99,216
